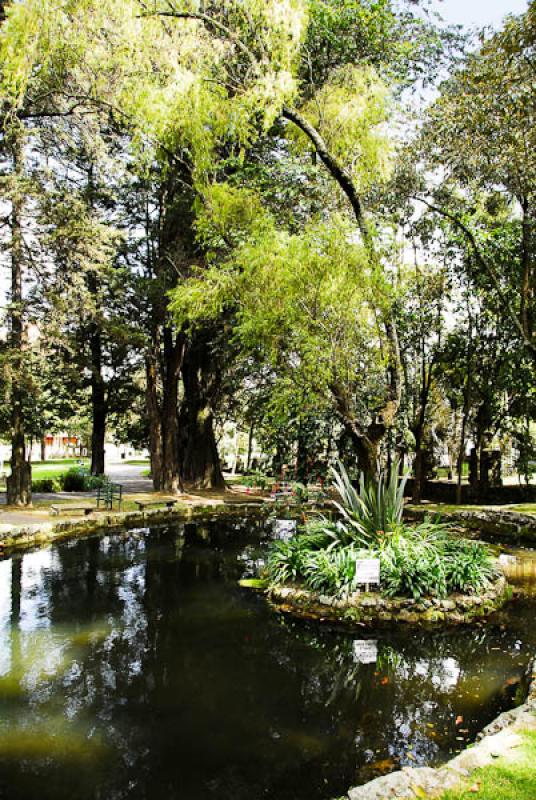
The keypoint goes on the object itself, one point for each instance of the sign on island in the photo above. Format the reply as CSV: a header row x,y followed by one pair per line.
x,y
367,571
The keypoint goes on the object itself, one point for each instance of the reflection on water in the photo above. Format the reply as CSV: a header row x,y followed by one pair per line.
x,y
519,566
135,667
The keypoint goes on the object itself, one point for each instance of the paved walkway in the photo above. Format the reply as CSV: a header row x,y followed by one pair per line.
x,y
134,482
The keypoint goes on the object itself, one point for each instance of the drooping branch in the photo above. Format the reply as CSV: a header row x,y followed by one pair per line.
x,y
333,165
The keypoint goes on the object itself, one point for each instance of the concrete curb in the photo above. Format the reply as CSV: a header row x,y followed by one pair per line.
x,y
23,537
500,738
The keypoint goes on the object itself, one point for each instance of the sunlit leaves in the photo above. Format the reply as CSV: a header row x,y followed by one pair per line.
x,y
349,111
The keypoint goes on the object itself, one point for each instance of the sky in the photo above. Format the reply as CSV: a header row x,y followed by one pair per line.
x,y
478,12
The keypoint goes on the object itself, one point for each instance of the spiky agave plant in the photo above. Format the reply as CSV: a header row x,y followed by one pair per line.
x,y
375,508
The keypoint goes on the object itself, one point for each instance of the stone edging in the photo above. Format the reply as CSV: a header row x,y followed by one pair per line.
x,y
369,607
496,524
22,537
499,738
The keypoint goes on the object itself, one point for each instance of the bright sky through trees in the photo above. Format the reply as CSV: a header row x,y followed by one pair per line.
x,y
478,12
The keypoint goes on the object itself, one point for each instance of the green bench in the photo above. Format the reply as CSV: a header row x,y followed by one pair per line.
x,y
108,494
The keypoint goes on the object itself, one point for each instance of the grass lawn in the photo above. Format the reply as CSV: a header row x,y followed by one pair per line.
x,y
53,469
42,470
449,508
510,778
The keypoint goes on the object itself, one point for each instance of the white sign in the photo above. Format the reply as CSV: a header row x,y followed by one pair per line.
x,y
285,528
367,570
365,651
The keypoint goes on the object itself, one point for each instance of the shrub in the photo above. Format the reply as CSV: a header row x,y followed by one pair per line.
x,y
372,510
414,561
77,480
46,485
73,480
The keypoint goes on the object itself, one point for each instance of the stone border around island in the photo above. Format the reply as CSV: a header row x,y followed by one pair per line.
x,y
496,524
372,608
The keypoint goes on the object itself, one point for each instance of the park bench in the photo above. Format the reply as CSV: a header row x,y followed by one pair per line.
x,y
159,501
108,494
56,510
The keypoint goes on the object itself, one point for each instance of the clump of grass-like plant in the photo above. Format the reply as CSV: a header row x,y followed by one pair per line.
x,y
425,559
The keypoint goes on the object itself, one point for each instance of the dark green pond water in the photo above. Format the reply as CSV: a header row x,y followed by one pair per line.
x,y
135,667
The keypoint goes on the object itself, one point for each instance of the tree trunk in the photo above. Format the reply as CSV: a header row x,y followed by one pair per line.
x,y
19,483
199,458
173,359
99,408
366,440
250,446
418,469
155,422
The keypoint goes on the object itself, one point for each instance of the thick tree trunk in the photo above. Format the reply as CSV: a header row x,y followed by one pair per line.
x,y
173,358
199,458
19,483
152,403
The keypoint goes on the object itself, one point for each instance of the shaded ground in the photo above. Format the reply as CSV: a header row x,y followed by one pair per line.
x,y
135,487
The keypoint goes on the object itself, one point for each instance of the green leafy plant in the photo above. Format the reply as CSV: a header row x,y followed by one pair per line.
x,y
415,561
78,480
46,485
372,510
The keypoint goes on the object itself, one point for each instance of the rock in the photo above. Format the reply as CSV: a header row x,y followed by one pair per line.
x,y
448,605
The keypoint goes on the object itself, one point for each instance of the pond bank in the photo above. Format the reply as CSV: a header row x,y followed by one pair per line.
x,y
500,525
502,737
22,537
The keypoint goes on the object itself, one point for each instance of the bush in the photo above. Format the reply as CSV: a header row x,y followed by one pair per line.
x,y
73,480
46,485
414,561
372,510
254,480
77,480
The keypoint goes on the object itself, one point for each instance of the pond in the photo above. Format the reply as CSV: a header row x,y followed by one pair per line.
x,y
133,666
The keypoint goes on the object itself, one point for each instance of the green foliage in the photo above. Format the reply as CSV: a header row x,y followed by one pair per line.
x,y
255,479
349,111
428,560
372,511
78,480
414,561
46,485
